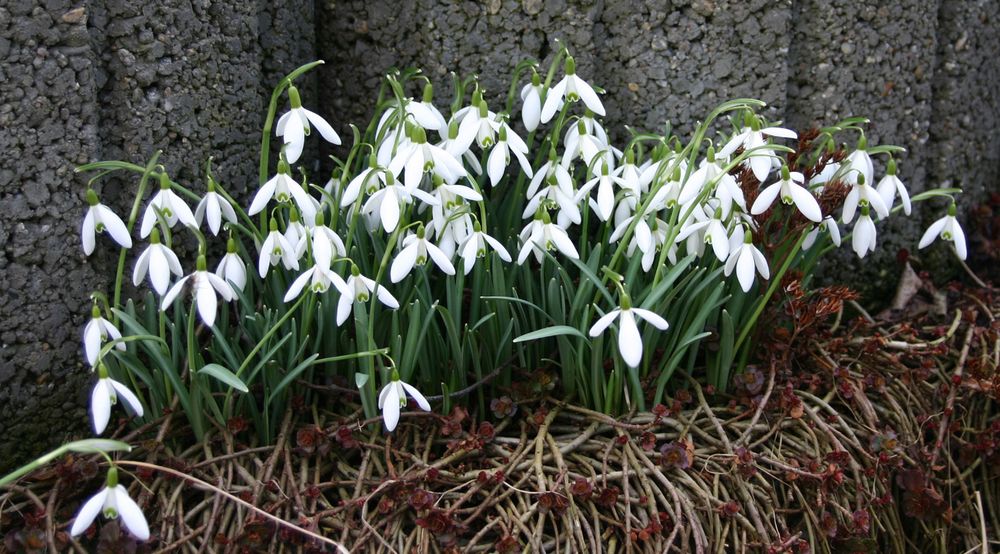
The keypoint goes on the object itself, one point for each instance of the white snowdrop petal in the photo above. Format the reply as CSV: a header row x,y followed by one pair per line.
x,y
89,512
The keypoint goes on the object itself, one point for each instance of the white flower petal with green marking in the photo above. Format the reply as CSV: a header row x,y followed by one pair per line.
x,y
392,399
98,331
112,501
204,288
214,208
106,393
629,338
947,228
233,270
100,218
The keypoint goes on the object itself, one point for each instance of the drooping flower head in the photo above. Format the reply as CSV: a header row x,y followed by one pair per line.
x,y
100,219
112,501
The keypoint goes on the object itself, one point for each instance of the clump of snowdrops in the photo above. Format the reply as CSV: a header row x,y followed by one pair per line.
x,y
458,248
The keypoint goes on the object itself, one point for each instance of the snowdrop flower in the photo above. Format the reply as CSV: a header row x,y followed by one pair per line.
x,y
531,96
113,501
792,192
159,262
295,230
386,204
948,229
324,241
275,249
231,268
283,188
459,150
294,126
863,240
745,258
215,208
424,112
453,231
507,142
415,251
648,239
752,137
393,398
604,182
105,395
586,146
97,331
167,204
478,124
204,287
860,164
368,181
629,338
572,88
359,288
890,185
475,248
99,219
541,235
714,234
420,157
319,277
864,195
828,225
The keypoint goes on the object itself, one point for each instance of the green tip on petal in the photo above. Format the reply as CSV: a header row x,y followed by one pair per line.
x,y
476,227
630,156
231,246
211,184
95,312
394,376
581,127
865,210
273,225
355,271
293,97
419,135
428,92
677,174
477,96
112,480
154,236
164,181
862,142
626,302
604,169
293,215
202,263
546,218
320,219
102,371
710,155
570,66
891,169
754,122
283,166
952,209
747,237
420,231
484,110
861,178
452,130
373,161
503,133
390,179
92,199
437,180
536,79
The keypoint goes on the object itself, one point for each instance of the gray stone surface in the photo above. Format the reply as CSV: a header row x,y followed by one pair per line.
x,y
110,79
106,79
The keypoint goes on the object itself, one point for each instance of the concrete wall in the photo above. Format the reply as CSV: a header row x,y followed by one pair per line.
x,y
107,79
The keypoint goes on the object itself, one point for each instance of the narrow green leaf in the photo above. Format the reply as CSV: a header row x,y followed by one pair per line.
x,y
224,375
554,331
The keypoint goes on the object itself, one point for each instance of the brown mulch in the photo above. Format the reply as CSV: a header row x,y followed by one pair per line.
x,y
870,435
